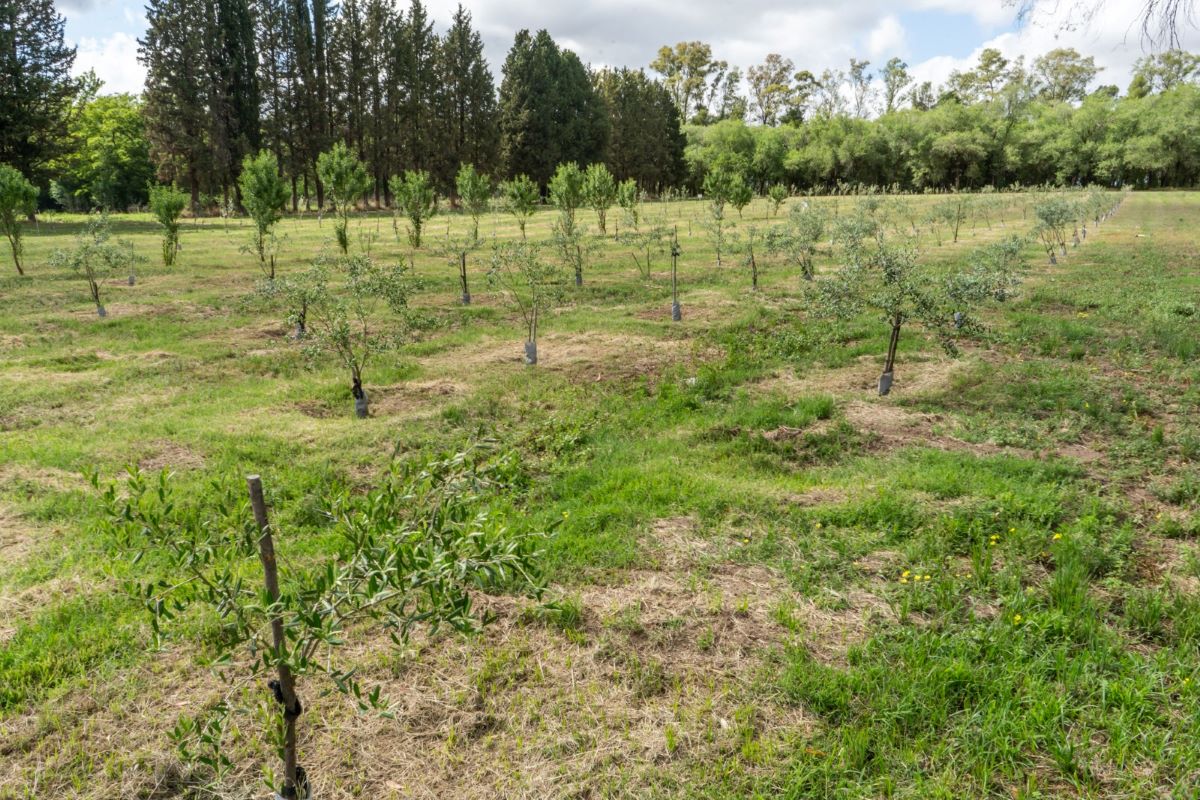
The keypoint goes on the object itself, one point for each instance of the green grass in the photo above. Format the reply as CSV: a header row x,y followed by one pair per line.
x,y
742,529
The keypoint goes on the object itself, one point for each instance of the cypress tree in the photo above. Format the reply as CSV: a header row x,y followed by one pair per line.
x,y
236,96
177,92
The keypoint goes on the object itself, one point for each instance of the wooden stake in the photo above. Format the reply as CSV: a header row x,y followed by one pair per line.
x,y
286,693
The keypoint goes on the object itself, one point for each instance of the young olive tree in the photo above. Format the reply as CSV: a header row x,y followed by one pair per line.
x,y
475,191
600,193
887,279
522,197
740,193
18,199
796,240
297,294
97,256
778,195
455,250
952,212
530,284
167,204
567,194
346,182
408,555
629,198
351,322
1054,216
747,247
644,244
718,188
264,194
415,200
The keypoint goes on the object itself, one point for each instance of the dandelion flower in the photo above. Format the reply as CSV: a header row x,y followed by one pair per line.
x,y
1017,619
926,577
1057,536
905,574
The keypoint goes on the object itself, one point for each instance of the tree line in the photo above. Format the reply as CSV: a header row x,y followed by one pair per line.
x,y
295,76
229,78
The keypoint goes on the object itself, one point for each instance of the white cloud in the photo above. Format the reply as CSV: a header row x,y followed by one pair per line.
x,y
114,59
887,39
814,34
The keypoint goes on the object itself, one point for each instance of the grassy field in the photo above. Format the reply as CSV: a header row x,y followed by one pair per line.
x,y
983,585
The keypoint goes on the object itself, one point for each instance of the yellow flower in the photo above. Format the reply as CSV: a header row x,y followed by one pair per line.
x,y
1017,619
1057,536
926,577
904,580
1012,530
905,574
818,526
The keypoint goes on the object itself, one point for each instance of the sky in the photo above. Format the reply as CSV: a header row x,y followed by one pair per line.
x,y
935,37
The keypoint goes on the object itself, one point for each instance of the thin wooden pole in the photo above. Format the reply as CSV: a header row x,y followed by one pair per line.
x,y
285,686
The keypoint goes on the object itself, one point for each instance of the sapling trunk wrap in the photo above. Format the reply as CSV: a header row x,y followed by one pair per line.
x,y
466,298
885,383
132,279
676,312
101,312
530,353
361,408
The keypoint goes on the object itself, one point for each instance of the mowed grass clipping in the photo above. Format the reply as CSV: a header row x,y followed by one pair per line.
x,y
767,581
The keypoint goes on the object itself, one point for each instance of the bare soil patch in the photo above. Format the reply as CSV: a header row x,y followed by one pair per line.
x,y
167,454
595,356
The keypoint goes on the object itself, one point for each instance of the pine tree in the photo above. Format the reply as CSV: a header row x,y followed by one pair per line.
x,y
36,90
413,89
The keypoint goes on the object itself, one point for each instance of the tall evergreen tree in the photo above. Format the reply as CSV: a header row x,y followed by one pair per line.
x,y
415,78
36,87
646,142
549,110
234,106
177,92
469,98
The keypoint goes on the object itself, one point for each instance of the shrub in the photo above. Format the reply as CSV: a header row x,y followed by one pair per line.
x,y
600,192
475,190
264,194
167,204
522,198
415,200
346,181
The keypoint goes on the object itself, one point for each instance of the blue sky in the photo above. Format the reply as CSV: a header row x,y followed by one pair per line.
x,y
933,36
